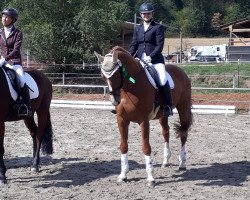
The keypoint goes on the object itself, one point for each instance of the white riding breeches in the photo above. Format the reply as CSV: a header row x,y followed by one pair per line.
x,y
161,71
20,73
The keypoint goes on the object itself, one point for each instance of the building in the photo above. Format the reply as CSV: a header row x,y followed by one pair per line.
x,y
239,39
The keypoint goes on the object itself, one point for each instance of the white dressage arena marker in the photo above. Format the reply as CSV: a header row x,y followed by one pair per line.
x,y
106,105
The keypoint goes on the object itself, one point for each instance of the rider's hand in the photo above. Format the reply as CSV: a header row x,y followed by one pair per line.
x,y
2,61
147,59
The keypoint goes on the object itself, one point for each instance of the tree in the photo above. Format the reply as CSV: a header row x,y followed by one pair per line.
x,y
43,24
98,23
68,30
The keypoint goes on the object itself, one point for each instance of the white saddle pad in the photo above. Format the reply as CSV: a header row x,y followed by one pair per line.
x,y
34,92
151,80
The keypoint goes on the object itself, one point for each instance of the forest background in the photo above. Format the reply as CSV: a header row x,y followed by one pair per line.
x,y
68,31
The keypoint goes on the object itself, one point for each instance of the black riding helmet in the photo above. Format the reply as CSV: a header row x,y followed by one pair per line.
x,y
11,12
146,8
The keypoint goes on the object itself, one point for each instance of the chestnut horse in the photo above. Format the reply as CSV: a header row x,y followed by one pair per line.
x,y
136,100
41,132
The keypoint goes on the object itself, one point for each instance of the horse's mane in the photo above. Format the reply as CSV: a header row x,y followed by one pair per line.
x,y
118,48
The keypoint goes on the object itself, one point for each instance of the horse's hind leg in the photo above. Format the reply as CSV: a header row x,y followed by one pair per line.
x,y
186,119
2,166
31,125
165,132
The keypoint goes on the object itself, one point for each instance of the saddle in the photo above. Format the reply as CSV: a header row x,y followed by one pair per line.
x,y
153,77
154,80
15,90
153,73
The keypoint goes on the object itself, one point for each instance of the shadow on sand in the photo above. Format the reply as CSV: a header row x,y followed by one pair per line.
x,y
72,171
75,171
218,174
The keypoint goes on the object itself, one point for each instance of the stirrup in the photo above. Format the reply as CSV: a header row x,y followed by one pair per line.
x,y
167,111
23,111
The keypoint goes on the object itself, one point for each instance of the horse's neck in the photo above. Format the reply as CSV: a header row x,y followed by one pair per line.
x,y
131,65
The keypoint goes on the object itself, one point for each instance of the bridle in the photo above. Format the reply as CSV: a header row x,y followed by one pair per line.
x,y
123,74
109,73
116,91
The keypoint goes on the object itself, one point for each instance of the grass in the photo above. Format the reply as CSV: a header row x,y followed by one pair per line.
x,y
218,76
217,69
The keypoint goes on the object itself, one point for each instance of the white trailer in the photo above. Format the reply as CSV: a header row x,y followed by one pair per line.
x,y
200,53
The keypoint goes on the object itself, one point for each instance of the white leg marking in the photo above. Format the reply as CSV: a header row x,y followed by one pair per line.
x,y
167,154
124,168
182,158
149,168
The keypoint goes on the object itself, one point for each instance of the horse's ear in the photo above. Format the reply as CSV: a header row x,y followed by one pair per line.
x,y
115,57
99,57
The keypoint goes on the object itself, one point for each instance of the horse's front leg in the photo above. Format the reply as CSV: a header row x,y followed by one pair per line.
x,y
123,128
146,148
2,166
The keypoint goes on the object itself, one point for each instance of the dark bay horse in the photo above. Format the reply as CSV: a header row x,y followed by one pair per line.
x,y
41,132
136,100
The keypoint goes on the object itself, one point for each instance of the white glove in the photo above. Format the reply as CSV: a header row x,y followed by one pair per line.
x,y
147,59
2,61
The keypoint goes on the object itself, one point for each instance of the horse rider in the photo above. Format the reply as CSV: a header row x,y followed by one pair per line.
x,y
10,45
147,45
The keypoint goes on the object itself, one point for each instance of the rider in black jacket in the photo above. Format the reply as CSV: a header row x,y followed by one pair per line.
x,y
10,46
147,44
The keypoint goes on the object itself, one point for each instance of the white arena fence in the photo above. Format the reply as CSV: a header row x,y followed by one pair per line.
x,y
64,80
106,105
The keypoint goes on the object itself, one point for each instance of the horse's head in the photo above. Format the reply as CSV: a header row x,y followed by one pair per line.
x,y
110,68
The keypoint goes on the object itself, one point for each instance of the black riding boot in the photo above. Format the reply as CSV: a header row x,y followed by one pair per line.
x,y
25,110
166,92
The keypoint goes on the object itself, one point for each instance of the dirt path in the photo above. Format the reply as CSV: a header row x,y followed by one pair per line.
x,y
86,160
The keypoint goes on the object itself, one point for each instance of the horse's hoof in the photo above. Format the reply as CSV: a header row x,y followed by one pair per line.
x,y
34,169
121,180
182,168
151,184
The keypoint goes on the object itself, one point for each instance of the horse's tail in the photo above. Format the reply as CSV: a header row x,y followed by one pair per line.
x,y
186,120
47,142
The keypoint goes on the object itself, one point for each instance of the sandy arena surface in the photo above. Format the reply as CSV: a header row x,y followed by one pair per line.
x,y
86,160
